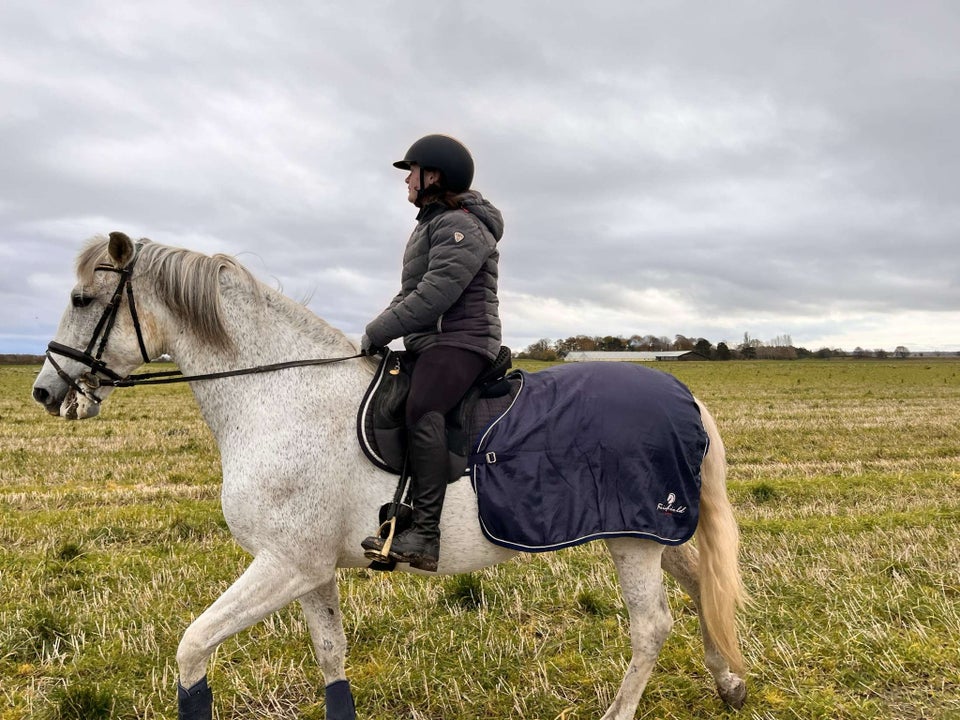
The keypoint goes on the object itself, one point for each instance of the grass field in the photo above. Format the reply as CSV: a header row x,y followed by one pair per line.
x,y
846,480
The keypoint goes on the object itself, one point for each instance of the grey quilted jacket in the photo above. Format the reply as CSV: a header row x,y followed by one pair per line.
x,y
448,286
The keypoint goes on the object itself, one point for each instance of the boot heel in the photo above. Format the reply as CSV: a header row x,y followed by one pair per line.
x,y
424,563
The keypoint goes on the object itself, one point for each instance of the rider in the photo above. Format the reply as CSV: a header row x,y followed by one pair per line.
x,y
447,313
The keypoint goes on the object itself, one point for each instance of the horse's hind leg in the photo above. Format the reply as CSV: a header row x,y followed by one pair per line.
x,y
638,566
322,610
682,562
265,587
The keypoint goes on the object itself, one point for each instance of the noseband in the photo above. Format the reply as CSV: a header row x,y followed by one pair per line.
x,y
101,334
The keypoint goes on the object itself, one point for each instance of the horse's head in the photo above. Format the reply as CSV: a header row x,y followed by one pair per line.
x,y
103,334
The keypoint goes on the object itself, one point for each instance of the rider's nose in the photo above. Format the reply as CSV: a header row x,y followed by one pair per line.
x,y
41,395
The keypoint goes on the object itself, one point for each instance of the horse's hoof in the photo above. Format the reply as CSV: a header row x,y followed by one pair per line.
x,y
735,695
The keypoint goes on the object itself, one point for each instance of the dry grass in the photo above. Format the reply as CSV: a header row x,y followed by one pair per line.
x,y
844,475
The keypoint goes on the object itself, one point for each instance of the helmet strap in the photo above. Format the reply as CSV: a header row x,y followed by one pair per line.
x,y
421,188
425,192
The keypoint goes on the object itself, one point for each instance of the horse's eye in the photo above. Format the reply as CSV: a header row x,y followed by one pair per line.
x,y
80,300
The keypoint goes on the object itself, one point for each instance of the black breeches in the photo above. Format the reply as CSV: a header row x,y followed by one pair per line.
x,y
441,377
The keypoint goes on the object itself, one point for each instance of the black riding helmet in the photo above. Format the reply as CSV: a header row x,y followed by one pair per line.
x,y
443,153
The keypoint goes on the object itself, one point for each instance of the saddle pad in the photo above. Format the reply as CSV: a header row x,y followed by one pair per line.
x,y
589,451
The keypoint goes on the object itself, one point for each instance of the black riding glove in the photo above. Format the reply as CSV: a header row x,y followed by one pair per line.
x,y
368,348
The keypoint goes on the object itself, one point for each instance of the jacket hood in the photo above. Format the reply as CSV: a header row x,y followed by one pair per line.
x,y
484,211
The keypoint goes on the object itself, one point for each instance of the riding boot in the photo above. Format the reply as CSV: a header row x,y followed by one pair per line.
x,y
430,463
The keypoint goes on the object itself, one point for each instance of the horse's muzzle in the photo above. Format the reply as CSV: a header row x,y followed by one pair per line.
x,y
50,402
71,405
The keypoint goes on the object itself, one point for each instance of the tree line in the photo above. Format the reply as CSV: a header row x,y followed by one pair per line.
x,y
22,359
779,348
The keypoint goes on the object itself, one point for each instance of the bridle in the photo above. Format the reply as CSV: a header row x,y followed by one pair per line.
x,y
100,375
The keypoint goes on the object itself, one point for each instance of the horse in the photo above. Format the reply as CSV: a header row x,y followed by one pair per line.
x,y
298,494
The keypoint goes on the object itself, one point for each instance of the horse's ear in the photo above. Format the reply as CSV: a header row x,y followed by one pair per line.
x,y
121,249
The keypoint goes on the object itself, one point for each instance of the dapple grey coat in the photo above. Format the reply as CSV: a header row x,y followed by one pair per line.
x,y
448,286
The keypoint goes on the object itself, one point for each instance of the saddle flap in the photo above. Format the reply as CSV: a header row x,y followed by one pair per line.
x,y
380,423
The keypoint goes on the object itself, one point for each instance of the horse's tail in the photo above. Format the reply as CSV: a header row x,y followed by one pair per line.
x,y
718,539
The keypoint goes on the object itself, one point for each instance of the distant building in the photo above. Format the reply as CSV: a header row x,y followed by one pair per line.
x,y
653,356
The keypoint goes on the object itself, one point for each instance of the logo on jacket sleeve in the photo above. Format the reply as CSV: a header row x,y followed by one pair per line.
x,y
457,236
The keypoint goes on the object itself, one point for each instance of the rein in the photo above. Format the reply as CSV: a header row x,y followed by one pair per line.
x,y
175,376
102,376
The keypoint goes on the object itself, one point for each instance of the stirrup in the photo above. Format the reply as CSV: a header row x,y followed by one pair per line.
x,y
383,554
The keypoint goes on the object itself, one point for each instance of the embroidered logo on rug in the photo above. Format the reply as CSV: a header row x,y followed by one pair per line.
x,y
457,236
670,508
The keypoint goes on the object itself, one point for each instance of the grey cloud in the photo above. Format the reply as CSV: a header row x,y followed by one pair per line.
x,y
772,164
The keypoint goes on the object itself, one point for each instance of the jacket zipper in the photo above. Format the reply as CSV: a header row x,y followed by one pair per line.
x,y
440,324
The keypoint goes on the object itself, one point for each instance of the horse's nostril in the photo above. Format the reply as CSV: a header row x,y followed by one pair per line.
x,y
41,395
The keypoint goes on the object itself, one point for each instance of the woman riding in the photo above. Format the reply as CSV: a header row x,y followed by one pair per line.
x,y
447,314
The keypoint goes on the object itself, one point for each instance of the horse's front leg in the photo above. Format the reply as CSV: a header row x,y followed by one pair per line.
x,y
322,610
265,587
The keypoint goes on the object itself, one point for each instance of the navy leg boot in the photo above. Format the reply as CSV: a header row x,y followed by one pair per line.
x,y
195,703
339,701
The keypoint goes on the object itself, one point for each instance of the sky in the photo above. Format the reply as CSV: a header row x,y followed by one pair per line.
x,y
707,169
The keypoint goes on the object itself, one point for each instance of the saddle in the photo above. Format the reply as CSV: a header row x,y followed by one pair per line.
x,y
381,429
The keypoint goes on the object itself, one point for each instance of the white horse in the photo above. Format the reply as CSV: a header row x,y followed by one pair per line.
x,y
298,494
